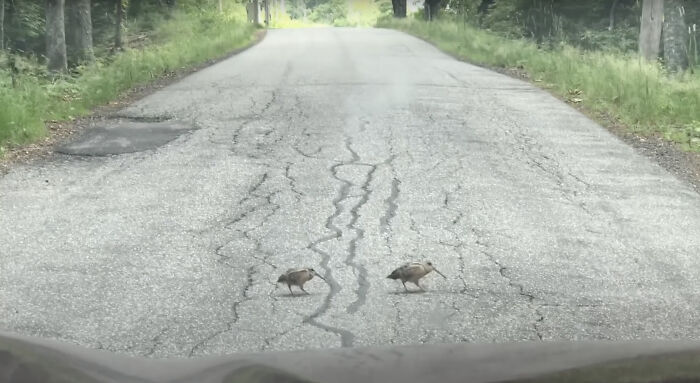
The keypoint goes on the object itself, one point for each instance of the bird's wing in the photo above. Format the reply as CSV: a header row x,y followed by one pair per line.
x,y
405,266
300,275
413,267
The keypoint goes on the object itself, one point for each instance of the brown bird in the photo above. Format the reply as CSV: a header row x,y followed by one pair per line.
x,y
412,272
297,277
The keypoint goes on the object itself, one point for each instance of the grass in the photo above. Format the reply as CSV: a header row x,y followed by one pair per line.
x,y
638,94
37,98
362,13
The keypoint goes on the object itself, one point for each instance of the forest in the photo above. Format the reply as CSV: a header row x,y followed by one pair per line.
x,y
59,58
618,25
62,58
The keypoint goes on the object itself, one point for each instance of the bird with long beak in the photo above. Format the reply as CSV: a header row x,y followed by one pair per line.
x,y
412,272
297,277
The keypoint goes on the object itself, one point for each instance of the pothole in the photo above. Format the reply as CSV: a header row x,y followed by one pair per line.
x,y
122,135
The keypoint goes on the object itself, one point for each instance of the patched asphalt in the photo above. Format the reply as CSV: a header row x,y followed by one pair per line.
x,y
351,151
118,136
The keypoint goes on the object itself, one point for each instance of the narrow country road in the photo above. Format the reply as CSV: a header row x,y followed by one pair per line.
x,y
350,151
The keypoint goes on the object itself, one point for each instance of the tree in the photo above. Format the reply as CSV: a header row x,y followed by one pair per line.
x,y
613,8
650,29
399,7
80,30
432,8
253,11
55,36
119,9
2,25
675,35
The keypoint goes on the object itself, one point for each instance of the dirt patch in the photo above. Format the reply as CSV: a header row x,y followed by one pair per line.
x,y
61,131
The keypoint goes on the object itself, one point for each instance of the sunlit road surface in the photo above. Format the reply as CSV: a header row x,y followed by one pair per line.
x,y
350,151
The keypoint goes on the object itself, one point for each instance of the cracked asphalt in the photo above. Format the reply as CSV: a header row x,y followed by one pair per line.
x,y
350,151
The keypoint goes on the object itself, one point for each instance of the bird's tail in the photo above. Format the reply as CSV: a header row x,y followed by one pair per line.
x,y
394,275
282,279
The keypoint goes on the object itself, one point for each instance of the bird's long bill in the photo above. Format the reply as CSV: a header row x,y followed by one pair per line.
x,y
321,276
438,271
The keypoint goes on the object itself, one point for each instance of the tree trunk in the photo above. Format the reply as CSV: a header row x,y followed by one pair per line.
x,y
221,6
283,7
80,30
252,11
267,12
55,36
650,30
432,8
613,8
675,36
483,9
399,7
118,43
2,25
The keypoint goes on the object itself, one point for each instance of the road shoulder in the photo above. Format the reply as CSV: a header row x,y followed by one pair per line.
x,y
682,164
60,132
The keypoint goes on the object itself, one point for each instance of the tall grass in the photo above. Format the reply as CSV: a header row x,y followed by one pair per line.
x,y
362,13
185,39
638,94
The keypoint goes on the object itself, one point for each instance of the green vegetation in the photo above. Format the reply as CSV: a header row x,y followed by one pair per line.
x,y
365,13
340,13
35,96
617,85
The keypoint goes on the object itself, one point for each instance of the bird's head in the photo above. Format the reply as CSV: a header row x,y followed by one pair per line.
x,y
313,272
431,267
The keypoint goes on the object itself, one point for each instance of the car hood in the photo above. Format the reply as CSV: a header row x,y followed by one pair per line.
x,y
26,359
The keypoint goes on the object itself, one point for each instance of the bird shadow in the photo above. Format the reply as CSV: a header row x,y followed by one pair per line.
x,y
409,292
427,291
297,295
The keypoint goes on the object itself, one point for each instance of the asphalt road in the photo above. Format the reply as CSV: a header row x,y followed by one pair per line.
x,y
351,151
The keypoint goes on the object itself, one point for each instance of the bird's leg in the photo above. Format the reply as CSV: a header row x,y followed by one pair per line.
x,y
419,286
302,289
404,286
290,289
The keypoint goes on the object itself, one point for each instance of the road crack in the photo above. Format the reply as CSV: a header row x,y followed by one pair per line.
x,y
347,338
361,272
156,341
391,207
520,289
